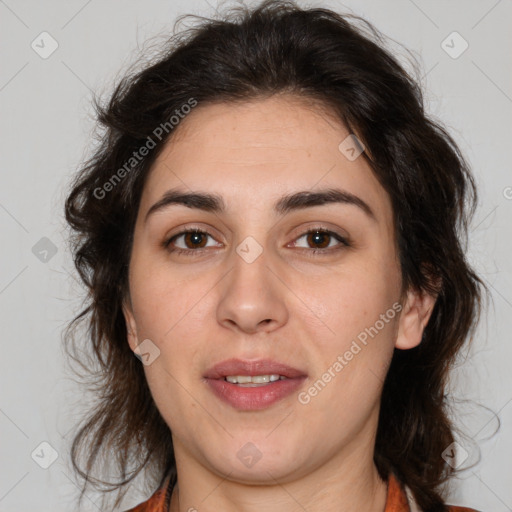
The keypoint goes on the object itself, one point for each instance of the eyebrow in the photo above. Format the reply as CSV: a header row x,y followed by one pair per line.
x,y
291,202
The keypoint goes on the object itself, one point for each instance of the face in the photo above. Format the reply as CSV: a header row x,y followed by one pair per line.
x,y
323,308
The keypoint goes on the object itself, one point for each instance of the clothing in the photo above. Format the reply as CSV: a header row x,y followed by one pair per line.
x,y
399,499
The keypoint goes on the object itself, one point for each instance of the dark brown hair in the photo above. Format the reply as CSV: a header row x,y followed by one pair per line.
x,y
341,62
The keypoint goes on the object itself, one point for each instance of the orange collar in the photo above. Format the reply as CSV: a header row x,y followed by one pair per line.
x,y
397,498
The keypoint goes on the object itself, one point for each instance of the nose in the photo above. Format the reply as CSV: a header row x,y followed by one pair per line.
x,y
252,297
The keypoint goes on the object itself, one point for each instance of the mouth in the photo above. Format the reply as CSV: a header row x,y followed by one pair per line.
x,y
253,385
249,381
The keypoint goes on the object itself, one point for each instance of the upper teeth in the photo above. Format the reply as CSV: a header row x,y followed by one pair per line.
x,y
256,379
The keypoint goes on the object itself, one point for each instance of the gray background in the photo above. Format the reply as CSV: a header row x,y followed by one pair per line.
x,y
46,128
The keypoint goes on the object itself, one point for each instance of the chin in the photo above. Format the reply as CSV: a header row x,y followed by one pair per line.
x,y
257,462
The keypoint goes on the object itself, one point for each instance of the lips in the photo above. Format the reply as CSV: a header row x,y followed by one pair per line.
x,y
252,368
253,398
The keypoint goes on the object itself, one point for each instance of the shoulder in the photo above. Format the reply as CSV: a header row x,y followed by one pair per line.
x,y
408,498
157,503
160,500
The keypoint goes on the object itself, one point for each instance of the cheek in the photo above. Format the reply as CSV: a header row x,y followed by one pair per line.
x,y
172,313
350,301
164,302
171,317
360,309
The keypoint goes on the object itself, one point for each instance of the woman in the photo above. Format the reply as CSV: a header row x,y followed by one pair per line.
x,y
274,227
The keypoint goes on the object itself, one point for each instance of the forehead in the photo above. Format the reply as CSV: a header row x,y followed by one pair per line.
x,y
256,151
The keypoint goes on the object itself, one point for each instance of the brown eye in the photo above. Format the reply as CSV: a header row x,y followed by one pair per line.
x,y
319,237
195,238
319,241
190,241
322,239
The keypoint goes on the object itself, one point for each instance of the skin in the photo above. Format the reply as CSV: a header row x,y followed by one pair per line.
x,y
288,304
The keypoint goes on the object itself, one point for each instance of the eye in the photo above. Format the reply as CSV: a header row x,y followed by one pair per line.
x,y
193,239
196,239
323,237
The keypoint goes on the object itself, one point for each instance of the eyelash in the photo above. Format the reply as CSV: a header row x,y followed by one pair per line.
x,y
322,252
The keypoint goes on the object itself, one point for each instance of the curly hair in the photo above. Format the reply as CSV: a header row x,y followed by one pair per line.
x,y
322,56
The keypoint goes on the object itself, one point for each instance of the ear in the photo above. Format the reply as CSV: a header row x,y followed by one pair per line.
x,y
131,326
414,318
